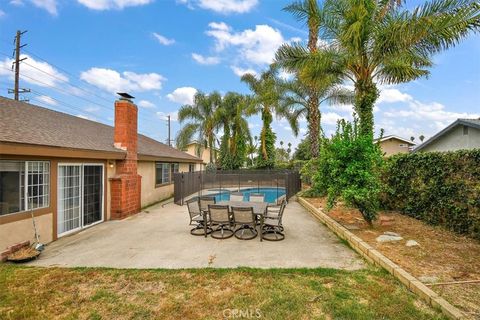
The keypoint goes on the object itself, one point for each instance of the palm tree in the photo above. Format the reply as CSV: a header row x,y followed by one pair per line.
x,y
265,100
232,116
379,41
295,101
308,11
203,121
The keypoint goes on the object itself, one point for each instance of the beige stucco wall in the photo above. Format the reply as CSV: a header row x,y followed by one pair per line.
x,y
22,230
110,171
205,156
151,193
392,146
456,140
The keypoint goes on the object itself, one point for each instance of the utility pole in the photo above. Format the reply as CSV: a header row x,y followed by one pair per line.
x,y
18,46
169,142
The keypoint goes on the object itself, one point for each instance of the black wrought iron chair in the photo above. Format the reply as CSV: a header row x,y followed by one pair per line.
x,y
236,196
272,224
245,223
257,197
220,217
197,218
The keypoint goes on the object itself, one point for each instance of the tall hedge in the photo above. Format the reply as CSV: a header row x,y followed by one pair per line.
x,y
438,188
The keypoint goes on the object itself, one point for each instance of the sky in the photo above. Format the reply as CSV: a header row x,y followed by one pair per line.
x,y
80,52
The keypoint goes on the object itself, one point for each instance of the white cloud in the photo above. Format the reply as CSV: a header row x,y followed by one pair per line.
x,y
331,118
164,115
433,111
341,107
34,72
112,81
86,117
222,6
48,100
183,95
49,5
146,104
111,4
16,2
256,46
240,71
163,40
391,95
205,60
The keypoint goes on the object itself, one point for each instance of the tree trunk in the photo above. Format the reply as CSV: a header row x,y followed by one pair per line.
x,y
210,145
366,93
313,104
314,123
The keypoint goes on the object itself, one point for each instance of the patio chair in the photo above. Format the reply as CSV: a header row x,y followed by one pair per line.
x,y
220,217
272,224
236,196
205,201
197,218
245,222
281,199
257,197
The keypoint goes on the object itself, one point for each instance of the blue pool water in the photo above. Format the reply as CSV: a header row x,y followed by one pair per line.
x,y
271,194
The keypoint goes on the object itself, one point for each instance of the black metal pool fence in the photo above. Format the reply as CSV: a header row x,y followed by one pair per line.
x,y
199,183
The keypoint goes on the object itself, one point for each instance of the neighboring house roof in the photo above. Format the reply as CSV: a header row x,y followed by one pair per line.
x,y
394,137
24,123
474,123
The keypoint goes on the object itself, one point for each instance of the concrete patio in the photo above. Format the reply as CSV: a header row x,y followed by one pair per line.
x,y
159,238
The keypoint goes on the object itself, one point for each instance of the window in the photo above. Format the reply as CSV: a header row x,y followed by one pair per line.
x,y
174,168
402,145
465,130
24,185
162,173
191,168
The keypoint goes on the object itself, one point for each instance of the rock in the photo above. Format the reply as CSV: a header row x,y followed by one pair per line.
x,y
412,243
388,238
428,279
386,221
390,233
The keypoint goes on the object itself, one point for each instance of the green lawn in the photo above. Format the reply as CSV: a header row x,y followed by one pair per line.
x,y
94,293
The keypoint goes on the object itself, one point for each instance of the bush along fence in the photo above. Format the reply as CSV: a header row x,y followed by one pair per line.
x,y
221,181
438,188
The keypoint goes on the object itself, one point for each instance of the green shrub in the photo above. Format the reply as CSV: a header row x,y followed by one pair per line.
x,y
440,188
348,168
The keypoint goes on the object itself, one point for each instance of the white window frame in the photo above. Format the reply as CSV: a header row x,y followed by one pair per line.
x,y
23,199
26,186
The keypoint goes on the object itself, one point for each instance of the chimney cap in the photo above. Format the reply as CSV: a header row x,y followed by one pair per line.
x,y
125,96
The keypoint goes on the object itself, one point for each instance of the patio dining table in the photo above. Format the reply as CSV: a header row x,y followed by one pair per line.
x,y
259,209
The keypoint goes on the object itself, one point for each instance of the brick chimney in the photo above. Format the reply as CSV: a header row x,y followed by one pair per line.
x,y
126,185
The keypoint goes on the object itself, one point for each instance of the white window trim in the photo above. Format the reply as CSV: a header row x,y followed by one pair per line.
x,y
25,187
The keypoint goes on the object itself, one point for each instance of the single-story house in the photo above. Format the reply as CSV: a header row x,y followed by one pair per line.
x,y
198,149
461,134
73,173
392,144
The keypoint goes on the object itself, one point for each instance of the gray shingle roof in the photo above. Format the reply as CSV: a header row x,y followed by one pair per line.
x,y
29,124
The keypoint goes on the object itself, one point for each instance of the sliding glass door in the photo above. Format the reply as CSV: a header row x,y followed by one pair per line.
x,y
80,196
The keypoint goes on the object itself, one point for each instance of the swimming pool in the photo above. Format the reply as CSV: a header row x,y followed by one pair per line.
x,y
271,194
